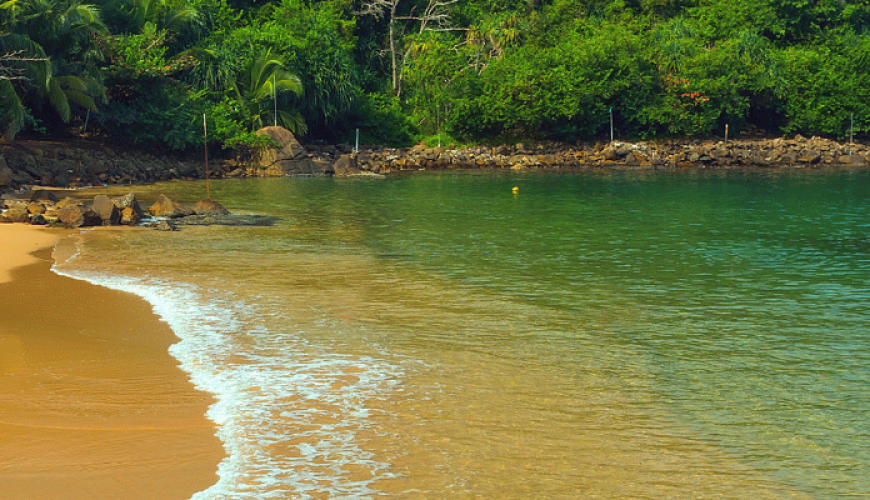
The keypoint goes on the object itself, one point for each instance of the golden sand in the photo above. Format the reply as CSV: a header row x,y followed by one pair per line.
x,y
92,406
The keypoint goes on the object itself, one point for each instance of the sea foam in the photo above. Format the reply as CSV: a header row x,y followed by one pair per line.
x,y
287,412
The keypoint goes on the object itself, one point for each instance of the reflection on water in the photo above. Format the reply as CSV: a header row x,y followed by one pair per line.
x,y
664,336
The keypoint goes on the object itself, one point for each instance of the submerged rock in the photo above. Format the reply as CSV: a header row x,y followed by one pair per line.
x,y
164,207
209,207
227,220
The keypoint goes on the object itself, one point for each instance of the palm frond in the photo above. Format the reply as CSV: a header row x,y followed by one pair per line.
x,y
11,110
57,98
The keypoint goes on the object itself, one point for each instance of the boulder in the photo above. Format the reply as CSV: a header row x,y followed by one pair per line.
x,y
345,165
36,208
43,195
288,158
73,216
38,220
131,211
164,226
164,207
16,215
209,207
107,210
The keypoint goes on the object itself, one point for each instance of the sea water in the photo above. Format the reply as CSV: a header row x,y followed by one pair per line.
x,y
590,336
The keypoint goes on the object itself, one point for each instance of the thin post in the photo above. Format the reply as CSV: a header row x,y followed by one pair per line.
x,y
438,122
275,99
726,133
851,131
356,148
87,117
205,143
611,124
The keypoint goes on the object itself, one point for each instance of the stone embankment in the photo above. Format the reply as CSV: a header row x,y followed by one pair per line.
x,y
799,152
77,164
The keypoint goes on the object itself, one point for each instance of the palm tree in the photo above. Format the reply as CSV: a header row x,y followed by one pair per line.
x,y
48,36
264,80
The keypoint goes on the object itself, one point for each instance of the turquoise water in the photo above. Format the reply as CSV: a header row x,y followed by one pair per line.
x,y
590,336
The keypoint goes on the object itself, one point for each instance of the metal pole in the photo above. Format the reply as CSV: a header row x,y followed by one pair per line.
x,y
438,122
851,131
205,143
611,124
726,132
357,141
275,99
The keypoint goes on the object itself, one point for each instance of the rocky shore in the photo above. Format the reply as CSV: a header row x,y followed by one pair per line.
x,y
27,167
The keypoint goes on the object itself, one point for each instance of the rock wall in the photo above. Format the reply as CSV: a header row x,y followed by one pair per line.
x,y
77,164
742,154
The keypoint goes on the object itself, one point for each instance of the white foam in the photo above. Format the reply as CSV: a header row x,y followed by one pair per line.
x,y
271,388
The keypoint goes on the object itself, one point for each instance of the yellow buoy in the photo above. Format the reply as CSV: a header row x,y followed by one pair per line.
x,y
515,190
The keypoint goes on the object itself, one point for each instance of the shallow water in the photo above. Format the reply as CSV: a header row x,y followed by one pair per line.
x,y
592,336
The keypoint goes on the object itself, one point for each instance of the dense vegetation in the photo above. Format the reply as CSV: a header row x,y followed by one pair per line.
x,y
147,71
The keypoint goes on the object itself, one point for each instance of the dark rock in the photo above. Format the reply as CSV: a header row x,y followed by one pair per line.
x,y
227,220
209,207
78,216
107,210
43,195
38,220
6,173
164,207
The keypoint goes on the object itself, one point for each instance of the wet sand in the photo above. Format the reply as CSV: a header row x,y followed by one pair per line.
x,y
92,406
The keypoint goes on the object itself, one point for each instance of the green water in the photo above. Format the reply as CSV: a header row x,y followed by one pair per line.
x,y
590,336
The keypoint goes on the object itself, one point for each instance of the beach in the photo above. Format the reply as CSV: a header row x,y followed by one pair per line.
x,y
91,403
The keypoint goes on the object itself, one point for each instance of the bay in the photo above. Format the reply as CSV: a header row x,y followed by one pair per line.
x,y
641,335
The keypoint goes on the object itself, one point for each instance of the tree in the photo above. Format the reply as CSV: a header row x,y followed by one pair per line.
x,y
435,16
263,81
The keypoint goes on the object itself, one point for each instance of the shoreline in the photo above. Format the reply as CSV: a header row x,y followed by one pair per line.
x,y
94,406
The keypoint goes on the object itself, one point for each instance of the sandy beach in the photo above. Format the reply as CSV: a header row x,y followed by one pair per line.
x,y
92,406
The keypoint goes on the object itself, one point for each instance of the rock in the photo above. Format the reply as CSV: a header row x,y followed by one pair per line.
x,y
68,202
16,215
209,207
131,211
345,165
227,220
6,173
239,172
610,154
78,216
164,207
130,217
280,160
107,210
43,195
36,208
38,220
164,225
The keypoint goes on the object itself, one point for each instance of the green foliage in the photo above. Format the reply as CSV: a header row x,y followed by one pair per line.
x,y
381,120
146,70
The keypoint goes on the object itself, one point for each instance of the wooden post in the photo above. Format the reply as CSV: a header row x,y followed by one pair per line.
x,y
726,132
205,143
